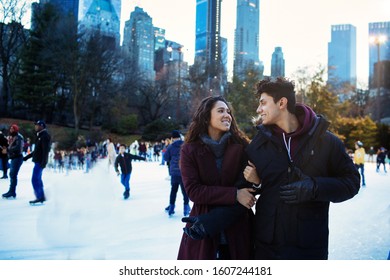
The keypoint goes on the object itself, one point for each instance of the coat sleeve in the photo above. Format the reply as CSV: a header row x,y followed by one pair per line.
x,y
167,154
197,191
343,182
137,157
116,163
45,150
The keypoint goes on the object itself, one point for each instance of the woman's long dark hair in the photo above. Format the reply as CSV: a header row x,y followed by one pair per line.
x,y
201,119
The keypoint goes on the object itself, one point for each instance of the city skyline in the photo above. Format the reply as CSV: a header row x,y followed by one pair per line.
x,y
275,32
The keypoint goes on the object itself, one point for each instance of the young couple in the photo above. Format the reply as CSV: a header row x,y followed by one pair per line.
x,y
295,165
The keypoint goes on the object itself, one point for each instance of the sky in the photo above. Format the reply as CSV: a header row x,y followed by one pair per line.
x,y
300,27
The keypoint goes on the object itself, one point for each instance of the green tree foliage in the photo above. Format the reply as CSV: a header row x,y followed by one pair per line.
x,y
354,129
159,129
383,136
35,84
321,99
242,96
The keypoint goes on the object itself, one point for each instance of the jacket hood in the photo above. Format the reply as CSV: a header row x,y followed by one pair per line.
x,y
306,118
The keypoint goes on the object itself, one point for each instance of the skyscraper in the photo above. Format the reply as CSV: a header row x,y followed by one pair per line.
x,y
101,16
246,45
138,42
85,4
379,67
342,55
277,63
376,30
208,44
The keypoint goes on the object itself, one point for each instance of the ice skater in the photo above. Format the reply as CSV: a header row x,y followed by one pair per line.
x,y
40,157
172,157
15,154
358,159
124,161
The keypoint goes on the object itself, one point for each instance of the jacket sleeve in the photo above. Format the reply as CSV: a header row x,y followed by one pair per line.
x,y
197,191
167,154
137,157
343,182
30,155
45,150
116,164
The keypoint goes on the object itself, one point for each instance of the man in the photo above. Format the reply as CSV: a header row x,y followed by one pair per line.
x,y
303,167
358,158
124,161
15,154
39,157
172,157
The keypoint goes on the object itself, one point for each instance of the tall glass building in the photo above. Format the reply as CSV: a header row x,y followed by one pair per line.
x,y
277,63
101,16
376,30
208,43
138,42
342,55
246,45
86,4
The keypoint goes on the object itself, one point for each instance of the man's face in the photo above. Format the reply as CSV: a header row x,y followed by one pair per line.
x,y
37,127
268,110
122,149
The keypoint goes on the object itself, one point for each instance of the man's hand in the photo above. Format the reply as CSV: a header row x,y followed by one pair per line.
x,y
246,198
250,174
197,230
300,191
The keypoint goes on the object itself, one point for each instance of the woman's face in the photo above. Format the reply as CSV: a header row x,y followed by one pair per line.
x,y
220,120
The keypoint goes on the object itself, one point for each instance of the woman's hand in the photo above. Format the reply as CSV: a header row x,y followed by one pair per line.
x,y
246,197
250,174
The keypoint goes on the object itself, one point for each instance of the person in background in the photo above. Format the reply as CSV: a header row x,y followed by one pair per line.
x,y
123,160
111,152
4,155
380,159
172,156
15,154
39,157
358,158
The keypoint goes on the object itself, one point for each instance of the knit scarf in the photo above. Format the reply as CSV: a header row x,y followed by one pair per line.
x,y
217,147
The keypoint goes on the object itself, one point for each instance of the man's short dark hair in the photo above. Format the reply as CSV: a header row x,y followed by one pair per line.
x,y
122,145
278,88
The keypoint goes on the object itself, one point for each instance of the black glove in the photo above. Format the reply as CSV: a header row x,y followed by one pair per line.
x,y
25,158
299,191
197,230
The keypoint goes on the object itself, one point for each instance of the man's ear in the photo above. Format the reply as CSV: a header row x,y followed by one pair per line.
x,y
283,102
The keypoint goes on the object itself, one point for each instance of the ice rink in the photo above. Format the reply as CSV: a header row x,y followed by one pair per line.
x,y
86,218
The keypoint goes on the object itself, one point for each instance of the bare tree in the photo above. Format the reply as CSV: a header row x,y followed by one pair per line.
x,y
12,38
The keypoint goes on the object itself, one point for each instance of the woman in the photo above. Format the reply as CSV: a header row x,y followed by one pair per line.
x,y
211,162
15,154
